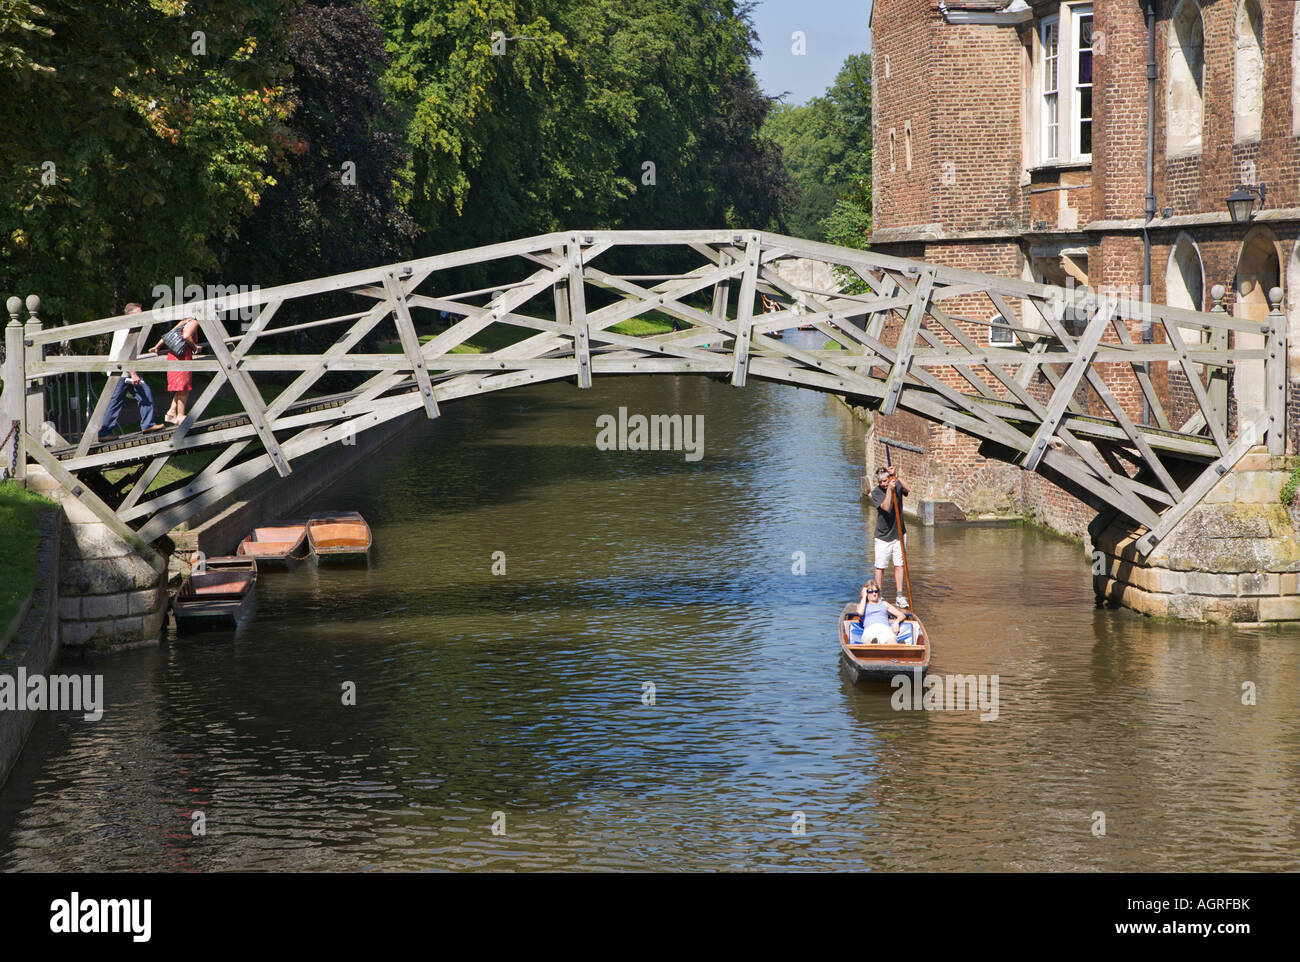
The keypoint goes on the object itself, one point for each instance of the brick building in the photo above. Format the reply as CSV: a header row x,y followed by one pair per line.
x,y
1013,137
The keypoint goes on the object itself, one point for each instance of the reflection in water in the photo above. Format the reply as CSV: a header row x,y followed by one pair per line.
x,y
523,693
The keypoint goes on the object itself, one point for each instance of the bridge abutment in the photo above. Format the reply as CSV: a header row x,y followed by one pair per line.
x,y
110,596
1235,558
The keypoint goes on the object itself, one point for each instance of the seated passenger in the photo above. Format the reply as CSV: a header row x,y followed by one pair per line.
x,y
874,616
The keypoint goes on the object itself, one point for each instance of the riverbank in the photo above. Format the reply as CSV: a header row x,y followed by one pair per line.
x,y
33,645
20,513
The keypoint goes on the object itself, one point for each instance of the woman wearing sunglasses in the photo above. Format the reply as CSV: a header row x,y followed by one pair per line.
x,y
874,617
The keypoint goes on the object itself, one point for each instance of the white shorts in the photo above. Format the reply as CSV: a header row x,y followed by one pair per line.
x,y
886,548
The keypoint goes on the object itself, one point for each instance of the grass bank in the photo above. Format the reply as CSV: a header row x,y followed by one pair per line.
x,y
19,535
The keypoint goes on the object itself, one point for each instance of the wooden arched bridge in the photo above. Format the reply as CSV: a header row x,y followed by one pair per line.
x,y
1062,381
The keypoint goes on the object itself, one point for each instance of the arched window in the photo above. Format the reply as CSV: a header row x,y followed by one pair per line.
x,y
891,150
1185,281
1258,272
1186,78
1248,96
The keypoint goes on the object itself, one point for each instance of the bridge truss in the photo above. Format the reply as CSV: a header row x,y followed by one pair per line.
x,y
1046,377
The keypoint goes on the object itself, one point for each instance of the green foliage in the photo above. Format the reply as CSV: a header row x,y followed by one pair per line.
x,y
338,201
19,536
133,158
134,153
1292,485
826,146
555,132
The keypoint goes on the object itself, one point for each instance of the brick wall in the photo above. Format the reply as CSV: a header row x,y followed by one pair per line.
x,y
963,88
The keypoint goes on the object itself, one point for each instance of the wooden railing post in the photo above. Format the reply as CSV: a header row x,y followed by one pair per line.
x,y
12,458
1217,389
1275,374
34,353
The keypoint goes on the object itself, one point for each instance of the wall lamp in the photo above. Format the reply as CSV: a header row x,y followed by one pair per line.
x,y
1241,202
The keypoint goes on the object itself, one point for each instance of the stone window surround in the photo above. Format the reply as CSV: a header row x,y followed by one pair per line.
x,y
1247,98
1183,97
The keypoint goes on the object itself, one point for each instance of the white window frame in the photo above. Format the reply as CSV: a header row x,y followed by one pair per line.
x,y
1049,118
1064,93
1077,15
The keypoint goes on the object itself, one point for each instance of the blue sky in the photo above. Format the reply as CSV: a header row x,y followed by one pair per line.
x,y
833,28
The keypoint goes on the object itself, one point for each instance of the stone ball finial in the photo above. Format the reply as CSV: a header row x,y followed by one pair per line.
x,y
33,305
1275,297
1217,292
15,304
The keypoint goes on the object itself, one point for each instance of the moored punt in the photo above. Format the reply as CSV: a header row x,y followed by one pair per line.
x,y
338,536
277,543
216,596
881,661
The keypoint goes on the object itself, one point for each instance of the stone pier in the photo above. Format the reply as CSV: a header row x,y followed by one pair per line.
x,y
1235,558
110,596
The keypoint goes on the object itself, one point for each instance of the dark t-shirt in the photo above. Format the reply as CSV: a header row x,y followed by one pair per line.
x,y
887,521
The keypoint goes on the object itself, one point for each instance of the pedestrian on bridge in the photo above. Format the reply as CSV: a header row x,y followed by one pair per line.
x,y
128,384
887,496
181,343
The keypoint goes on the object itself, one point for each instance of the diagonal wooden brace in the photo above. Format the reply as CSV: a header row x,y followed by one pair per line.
x,y
249,395
410,342
907,342
1063,393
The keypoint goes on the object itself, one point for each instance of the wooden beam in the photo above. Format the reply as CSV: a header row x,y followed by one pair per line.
x,y
1202,486
92,501
1275,380
249,395
1065,389
1194,380
578,312
906,342
410,342
745,313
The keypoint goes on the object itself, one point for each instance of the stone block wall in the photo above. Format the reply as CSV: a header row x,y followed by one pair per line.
x,y
110,597
1235,558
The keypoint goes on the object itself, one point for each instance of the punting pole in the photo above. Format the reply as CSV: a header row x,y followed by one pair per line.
x,y
902,531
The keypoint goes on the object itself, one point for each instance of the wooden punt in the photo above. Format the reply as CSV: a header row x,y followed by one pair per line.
x,y
881,661
338,536
215,597
277,543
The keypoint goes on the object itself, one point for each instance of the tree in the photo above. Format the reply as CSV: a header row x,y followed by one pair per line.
x,y
336,205
826,146
589,113
154,128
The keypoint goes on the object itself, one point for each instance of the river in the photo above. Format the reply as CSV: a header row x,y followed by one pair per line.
x,y
507,721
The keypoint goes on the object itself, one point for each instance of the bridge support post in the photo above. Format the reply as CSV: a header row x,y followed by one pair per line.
x,y
34,354
12,456
1218,382
1275,374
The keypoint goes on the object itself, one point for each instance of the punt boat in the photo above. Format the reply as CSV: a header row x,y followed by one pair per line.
x,y
277,543
881,661
338,536
216,595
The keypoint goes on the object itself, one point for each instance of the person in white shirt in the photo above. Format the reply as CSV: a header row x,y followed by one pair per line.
x,y
130,384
